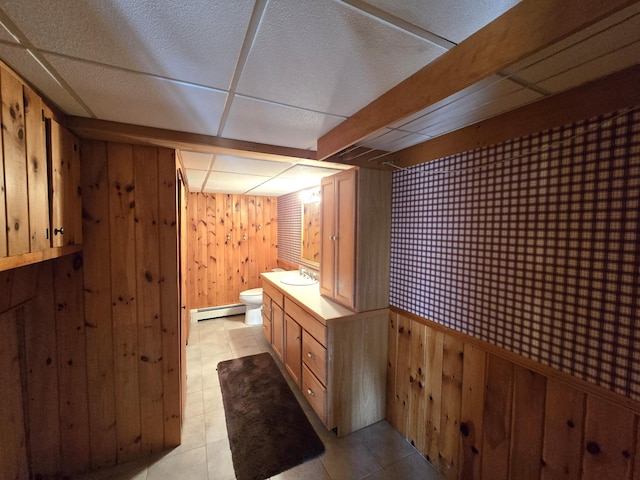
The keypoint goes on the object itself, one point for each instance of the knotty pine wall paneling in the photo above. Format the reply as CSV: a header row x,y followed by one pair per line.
x,y
130,219
497,416
231,240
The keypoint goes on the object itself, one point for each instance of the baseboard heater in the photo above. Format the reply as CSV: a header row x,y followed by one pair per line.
x,y
216,312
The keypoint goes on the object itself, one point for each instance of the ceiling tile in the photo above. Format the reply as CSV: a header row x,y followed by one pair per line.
x,y
223,182
454,21
591,70
195,179
197,160
25,64
280,186
394,140
196,41
327,57
308,174
459,116
585,48
263,122
142,100
248,166
486,98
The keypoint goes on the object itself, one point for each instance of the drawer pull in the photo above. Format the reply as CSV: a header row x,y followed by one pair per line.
x,y
309,355
310,392
297,337
264,327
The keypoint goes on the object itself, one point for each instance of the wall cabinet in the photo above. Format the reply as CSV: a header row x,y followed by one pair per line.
x,y
39,179
337,357
355,238
64,186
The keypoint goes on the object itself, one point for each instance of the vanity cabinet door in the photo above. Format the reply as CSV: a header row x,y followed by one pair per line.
x,y
277,328
338,244
293,348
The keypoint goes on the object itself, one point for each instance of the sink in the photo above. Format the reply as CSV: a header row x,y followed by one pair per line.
x,y
298,280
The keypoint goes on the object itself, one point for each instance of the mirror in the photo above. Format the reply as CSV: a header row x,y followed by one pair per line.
x,y
310,238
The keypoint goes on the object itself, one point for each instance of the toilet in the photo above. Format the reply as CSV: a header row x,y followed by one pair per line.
x,y
253,300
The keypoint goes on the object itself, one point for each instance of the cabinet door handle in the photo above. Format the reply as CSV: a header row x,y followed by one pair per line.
x,y
57,231
309,355
333,237
310,392
264,327
298,337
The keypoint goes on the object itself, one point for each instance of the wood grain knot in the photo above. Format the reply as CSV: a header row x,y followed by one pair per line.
x,y
464,429
570,424
593,448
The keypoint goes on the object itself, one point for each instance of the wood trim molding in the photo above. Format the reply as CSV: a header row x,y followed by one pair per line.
x,y
16,261
94,129
615,91
527,363
527,28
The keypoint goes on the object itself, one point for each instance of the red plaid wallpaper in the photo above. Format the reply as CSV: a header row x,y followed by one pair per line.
x,y
532,245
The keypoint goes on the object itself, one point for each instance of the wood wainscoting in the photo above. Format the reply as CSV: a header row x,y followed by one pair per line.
x,y
477,411
231,239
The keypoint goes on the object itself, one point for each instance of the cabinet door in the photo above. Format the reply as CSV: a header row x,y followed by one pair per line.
x,y
345,262
293,348
277,328
66,209
15,166
37,171
327,235
266,317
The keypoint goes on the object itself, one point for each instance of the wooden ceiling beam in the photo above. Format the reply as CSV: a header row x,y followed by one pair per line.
x,y
94,129
527,28
608,94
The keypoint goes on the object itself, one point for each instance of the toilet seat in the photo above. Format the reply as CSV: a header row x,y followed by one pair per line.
x,y
254,292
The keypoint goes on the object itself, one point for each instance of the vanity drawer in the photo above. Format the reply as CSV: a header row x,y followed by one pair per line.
x,y
315,393
272,292
314,355
306,321
266,328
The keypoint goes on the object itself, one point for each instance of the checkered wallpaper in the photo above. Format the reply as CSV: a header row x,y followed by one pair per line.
x,y
532,245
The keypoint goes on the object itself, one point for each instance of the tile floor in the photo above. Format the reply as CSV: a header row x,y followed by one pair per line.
x,y
373,453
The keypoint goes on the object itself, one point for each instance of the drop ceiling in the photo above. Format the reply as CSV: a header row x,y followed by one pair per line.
x,y
280,72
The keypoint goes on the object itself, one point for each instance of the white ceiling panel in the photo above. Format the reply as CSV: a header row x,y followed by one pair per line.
x,y
337,66
590,70
280,186
223,182
195,179
308,174
196,41
454,21
492,94
459,116
26,65
142,100
567,57
395,140
263,122
196,160
248,166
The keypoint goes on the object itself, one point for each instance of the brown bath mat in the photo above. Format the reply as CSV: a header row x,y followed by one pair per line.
x,y
268,431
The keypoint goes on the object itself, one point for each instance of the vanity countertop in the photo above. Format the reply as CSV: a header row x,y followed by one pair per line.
x,y
309,296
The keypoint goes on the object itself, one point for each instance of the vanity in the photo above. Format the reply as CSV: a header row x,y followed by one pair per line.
x,y
336,356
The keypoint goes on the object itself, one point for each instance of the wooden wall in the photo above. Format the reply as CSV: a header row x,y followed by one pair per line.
x,y
479,412
90,344
231,240
131,299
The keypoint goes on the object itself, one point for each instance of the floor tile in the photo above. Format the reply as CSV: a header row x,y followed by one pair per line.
x,y
220,464
385,443
191,465
313,469
349,459
413,467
